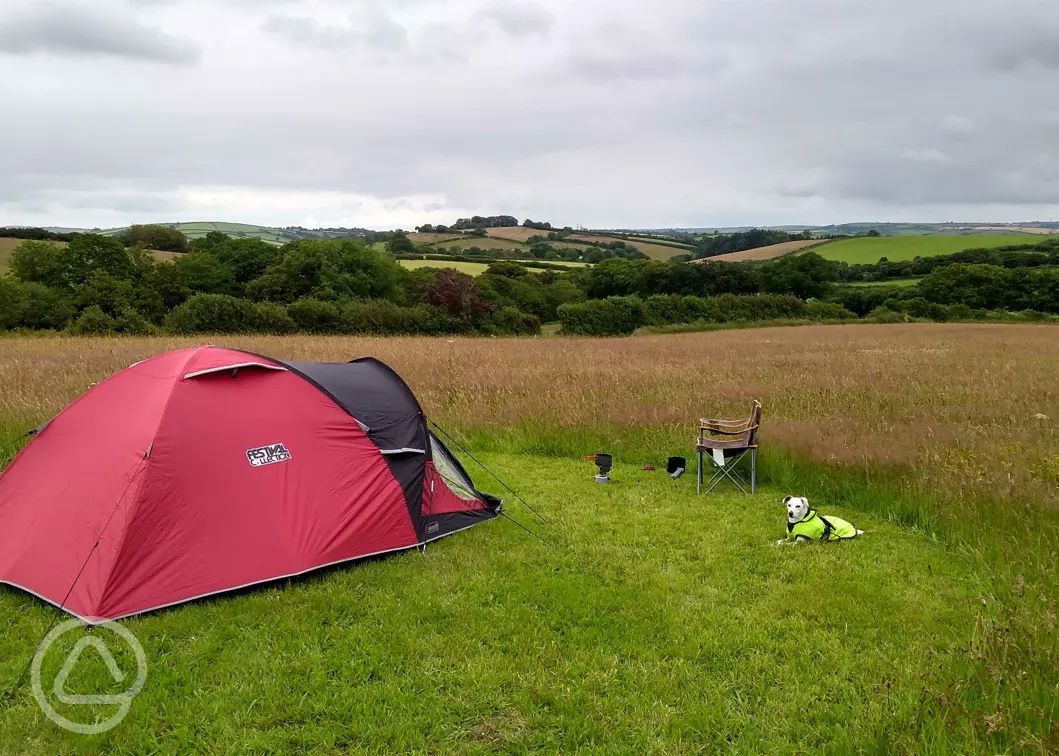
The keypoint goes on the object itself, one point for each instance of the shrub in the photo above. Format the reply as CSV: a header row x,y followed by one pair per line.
x,y
384,317
918,307
32,305
667,309
817,310
613,316
93,321
316,316
883,314
213,313
757,306
511,321
273,318
132,322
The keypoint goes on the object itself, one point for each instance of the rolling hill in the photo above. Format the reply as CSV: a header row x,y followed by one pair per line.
x,y
769,252
270,234
867,250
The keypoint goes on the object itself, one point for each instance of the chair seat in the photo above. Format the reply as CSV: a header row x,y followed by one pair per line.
x,y
707,444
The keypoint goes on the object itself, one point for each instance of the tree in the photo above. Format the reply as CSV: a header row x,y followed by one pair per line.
x,y
455,293
400,244
154,236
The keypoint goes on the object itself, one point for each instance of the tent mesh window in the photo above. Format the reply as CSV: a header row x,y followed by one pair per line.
x,y
450,472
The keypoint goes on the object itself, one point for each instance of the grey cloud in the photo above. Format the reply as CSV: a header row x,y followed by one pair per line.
x,y
615,65
518,18
728,113
76,29
370,29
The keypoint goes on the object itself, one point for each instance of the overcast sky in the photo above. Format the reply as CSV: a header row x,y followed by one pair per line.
x,y
606,113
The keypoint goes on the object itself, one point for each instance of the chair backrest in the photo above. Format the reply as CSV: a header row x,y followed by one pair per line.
x,y
752,425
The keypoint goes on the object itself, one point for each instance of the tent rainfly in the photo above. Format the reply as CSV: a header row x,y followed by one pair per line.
x,y
208,470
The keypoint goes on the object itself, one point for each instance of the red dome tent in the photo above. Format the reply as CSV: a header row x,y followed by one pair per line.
x,y
206,470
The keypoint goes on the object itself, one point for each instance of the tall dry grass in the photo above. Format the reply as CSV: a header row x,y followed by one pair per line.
x,y
949,407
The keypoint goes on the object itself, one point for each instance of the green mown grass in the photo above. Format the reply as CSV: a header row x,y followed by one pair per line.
x,y
470,268
866,250
901,282
658,622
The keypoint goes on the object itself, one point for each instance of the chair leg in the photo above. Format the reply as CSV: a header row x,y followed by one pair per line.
x,y
729,471
698,473
753,471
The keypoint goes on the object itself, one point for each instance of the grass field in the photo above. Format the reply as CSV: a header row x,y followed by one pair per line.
x,y
480,242
652,249
7,246
198,229
657,622
514,233
477,268
418,238
902,282
871,250
470,268
769,252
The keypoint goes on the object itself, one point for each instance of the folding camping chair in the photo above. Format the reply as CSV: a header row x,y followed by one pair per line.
x,y
725,454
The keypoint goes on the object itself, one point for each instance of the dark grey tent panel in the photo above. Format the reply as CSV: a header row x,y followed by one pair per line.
x,y
375,395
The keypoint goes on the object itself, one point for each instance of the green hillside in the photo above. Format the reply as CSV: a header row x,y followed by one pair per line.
x,y
867,250
272,235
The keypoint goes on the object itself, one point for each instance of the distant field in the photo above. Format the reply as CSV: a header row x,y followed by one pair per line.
x,y
7,246
198,229
478,241
765,253
902,282
865,250
470,268
516,233
431,238
652,249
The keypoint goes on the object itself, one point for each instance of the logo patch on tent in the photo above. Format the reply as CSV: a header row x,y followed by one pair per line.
x,y
267,455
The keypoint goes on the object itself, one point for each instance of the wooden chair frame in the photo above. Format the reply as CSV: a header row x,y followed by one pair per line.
x,y
743,442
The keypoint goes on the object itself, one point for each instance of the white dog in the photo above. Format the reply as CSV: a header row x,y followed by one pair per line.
x,y
804,524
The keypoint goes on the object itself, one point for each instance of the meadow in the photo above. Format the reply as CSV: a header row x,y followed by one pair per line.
x,y
7,246
768,252
652,621
654,250
472,268
869,250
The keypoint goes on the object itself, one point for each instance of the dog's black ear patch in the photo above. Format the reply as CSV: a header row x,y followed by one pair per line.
x,y
787,498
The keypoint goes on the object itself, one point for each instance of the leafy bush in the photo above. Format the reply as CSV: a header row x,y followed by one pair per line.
x,y
93,321
510,321
214,313
818,310
32,305
316,316
273,318
757,306
384,317
884,314
669,309
613,316
130,321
